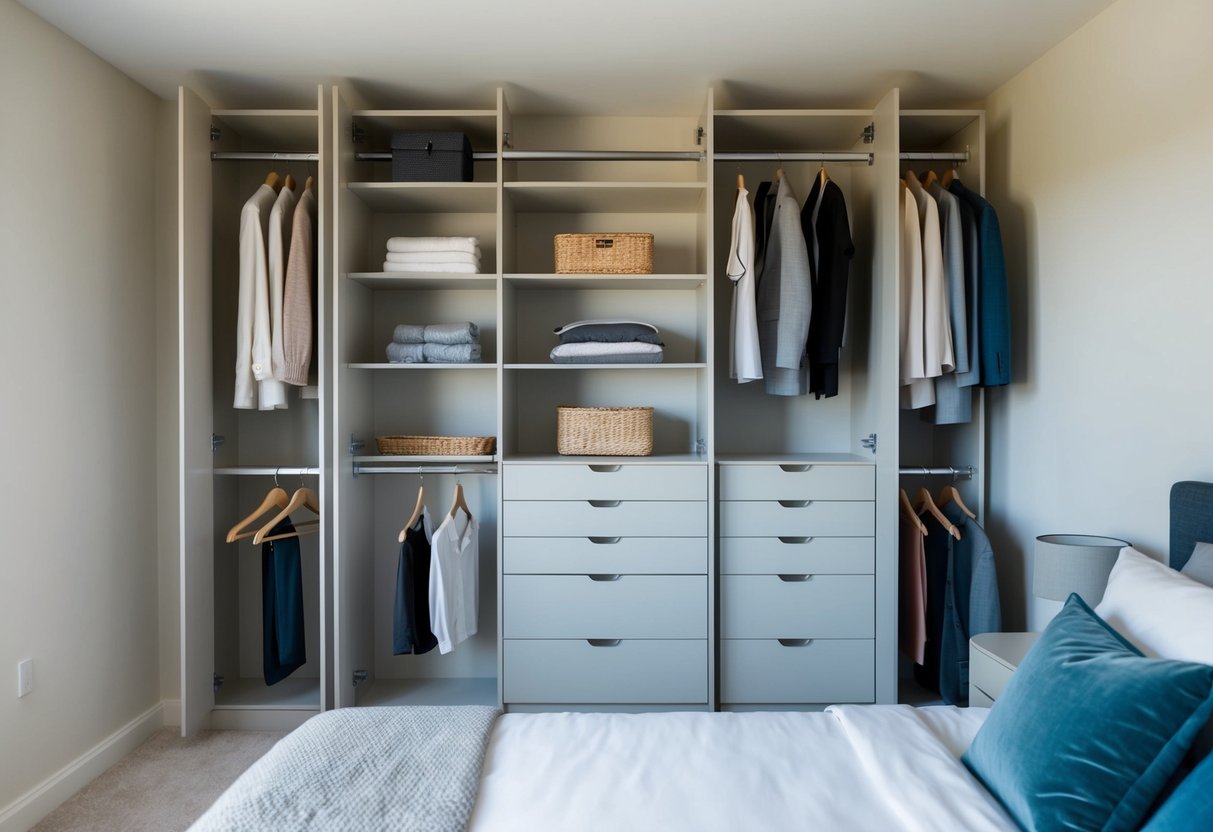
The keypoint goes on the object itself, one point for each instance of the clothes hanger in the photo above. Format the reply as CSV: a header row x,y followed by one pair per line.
x,y
458,502
950,494
910,514
949,175
417,509
303,497
275,498
822,176
274,181
926,503
290,182
740,182
929,178
307,185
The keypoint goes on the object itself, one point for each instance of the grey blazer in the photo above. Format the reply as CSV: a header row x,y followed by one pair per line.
x,y
785,300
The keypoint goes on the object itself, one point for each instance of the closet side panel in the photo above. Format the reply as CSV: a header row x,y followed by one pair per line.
x,y
878,412
195,412
324,373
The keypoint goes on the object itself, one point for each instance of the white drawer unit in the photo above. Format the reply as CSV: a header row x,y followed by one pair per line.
x,y
797,518
625,555
604,518
605,606
605,671
797,606
774,671
797,481
614,481
797,555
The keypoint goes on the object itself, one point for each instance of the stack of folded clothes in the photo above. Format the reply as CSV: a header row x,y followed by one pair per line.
x,y
435,344
608,342
449,255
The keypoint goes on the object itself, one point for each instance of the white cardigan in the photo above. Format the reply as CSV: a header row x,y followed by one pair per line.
x,y
254,226
745,361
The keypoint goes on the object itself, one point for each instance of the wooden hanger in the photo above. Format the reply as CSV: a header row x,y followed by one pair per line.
x,y
929,179
740,182
273,181
778,175
926,503
417,509
948,176
276,498
822,176
303,497
290,182
911,515
307,185
458,502
949,494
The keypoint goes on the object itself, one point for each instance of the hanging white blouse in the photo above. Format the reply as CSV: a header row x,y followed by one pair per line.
x,y
916,387
454,580
745,361
937,326
267,333
254,224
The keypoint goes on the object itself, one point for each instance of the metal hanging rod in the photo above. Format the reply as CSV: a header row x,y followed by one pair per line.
x,y
967,472
794,156
424,469
263,156
251,471
478,156
606,155
936,157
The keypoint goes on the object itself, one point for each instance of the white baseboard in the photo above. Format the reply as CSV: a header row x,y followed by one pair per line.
x,y
172,713
41,800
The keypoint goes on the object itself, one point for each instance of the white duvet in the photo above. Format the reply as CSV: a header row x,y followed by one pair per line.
x,y
883,768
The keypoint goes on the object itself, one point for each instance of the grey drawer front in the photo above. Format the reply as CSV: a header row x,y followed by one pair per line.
x,y
625,481
564,672
824,606
797,482
798,555
625,555
823,671
819,518
614,606
604,518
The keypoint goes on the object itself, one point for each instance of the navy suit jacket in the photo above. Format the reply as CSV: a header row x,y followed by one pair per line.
x,y
994,307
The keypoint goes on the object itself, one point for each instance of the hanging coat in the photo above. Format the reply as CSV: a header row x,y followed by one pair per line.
x,y
827,233
785,300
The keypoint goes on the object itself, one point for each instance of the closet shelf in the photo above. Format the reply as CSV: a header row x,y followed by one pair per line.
x,y
457,691
423,280
427,460
644,367
301,694
267,471
607,281
383,365
606,197
437,197
775,130
284,130
378,125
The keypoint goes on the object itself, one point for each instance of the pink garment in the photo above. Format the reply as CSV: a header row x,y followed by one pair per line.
x,y
913,629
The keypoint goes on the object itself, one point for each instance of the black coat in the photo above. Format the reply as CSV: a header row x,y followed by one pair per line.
x,y
830,270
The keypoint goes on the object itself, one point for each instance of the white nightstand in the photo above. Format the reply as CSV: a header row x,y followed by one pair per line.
x,y
993,657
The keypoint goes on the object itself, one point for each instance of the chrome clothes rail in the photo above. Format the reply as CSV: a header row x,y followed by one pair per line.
x,y
967,472
263,156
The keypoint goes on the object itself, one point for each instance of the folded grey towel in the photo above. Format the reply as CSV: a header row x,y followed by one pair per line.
x,y
610,333
405,353
464,333
618,358
409,334
452,353
592,352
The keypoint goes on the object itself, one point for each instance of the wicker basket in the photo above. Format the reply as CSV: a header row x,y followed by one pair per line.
x,y
604,431
436,445
604,253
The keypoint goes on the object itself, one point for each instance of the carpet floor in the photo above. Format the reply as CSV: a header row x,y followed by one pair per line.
x,y
164,784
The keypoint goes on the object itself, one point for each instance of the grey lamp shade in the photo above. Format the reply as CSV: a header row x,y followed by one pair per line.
x,y
1079,563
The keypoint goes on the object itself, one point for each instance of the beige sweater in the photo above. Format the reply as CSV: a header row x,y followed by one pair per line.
x,y
298,321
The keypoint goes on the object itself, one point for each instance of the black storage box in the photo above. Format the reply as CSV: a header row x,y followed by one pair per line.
x,y
431,156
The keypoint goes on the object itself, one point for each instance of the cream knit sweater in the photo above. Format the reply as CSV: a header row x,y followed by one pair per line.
x,y
297,314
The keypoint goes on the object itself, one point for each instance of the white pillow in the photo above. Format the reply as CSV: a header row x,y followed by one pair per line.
x,y
1200,566
1163,613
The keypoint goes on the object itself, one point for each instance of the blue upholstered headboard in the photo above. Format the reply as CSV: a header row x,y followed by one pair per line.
x,y
1191,519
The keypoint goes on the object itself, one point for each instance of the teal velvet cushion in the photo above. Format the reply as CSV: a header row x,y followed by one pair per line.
x,y
1190,806
1088,730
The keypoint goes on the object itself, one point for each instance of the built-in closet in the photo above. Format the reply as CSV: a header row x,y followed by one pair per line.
x,y
230,458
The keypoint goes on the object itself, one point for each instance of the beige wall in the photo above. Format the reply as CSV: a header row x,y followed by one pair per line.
x,y
78,413
1099,165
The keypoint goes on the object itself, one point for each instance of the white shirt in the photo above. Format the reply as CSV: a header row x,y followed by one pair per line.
x,y
267,331
937,324
745,361
454,580
912,373
254,224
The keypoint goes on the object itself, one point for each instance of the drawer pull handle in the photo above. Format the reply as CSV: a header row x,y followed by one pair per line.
x,y
795,503
604,541
603,642
795,469
604,503
605,469
604,578
795,642
795,540
795,579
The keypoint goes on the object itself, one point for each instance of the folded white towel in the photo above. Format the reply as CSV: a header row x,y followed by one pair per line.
x,y
433,257
437,268
575,324
403,244
603,348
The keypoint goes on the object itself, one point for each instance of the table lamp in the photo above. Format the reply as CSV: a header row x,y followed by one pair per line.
x,y
1079,563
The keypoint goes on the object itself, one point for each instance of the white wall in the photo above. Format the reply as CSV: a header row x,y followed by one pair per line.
x,y
1101,167
77,414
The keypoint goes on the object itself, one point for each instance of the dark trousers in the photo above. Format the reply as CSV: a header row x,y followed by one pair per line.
x,y
282,605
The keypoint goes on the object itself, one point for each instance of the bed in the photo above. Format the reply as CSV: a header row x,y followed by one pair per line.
x,y
869,767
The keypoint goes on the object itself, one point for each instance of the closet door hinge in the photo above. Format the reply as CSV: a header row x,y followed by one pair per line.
x,y
700,134
701,446
356,444
869,442
216,133
869,133
216,682
357,134
217,441
359,677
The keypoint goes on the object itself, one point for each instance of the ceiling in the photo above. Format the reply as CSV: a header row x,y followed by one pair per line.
x,y
627,56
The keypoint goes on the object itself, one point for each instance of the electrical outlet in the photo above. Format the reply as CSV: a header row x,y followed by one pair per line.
x,y
25,677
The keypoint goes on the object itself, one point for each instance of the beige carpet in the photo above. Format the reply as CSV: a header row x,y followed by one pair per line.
x,y
163,785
